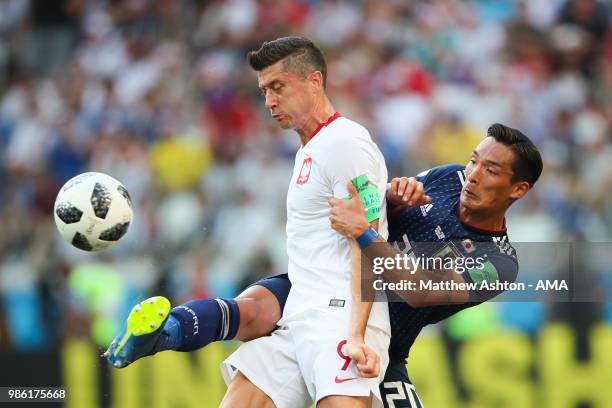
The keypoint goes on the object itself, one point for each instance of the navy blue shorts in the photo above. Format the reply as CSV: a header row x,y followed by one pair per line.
x,y
277,284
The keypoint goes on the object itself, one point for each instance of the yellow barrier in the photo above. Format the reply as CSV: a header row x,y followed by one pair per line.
x,y
494,371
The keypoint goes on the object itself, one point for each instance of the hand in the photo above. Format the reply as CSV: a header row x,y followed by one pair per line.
x,y
407,191
347,217
368,361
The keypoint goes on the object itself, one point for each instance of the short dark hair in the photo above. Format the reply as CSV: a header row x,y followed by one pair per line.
x,y
300,56
527,165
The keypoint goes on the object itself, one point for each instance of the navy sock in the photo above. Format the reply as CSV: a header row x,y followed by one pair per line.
x,y
171,336
200,322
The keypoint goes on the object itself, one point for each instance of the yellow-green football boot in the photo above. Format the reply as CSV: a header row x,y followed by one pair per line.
x,y
141,334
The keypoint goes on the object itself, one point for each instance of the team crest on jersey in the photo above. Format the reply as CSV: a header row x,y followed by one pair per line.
x,y
305,171
468,245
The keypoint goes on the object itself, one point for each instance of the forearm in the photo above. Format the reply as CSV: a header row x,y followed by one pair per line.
x,y
360,310
407,272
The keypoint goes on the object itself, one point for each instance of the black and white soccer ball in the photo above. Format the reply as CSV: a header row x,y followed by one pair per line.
x,y
93,211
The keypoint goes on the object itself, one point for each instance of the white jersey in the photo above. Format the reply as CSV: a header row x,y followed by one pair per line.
x,y
319,257
303,361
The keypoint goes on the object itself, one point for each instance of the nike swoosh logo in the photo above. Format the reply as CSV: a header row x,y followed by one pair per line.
x,y
341,380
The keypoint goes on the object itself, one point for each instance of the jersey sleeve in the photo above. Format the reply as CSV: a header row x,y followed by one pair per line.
x,y
436,173
361,162
490,275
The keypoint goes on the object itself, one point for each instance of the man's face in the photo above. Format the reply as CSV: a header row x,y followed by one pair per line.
x,y
289,98
489,174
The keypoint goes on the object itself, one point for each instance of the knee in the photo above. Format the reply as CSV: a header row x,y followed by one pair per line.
x,y
250,309
259,319
259,312
243,393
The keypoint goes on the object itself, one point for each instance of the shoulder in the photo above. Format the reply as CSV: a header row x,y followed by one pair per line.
x,y
444,171
441,171
505,266
349,140
350,124
504,247
502,255
344,130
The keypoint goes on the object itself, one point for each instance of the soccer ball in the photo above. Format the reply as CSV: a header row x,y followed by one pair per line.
x,y
93,211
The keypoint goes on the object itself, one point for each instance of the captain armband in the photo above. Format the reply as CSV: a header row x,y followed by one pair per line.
x,y
369,195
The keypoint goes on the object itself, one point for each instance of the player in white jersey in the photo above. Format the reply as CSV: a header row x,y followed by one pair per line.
x,y
306,360
318,257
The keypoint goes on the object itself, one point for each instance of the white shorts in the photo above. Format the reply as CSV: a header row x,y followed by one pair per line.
x,y
304,361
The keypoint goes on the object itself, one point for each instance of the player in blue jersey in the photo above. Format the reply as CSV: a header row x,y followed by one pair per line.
x,y
456,212
465,220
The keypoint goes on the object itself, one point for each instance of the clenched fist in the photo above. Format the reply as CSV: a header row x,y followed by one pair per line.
x,y
407,191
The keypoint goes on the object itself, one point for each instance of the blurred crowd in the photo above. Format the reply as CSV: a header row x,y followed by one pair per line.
x,y
158,94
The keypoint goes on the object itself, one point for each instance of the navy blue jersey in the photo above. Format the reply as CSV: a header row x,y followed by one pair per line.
x,y
435,230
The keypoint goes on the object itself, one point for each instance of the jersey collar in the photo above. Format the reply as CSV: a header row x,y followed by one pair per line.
x,y
322,125
502,230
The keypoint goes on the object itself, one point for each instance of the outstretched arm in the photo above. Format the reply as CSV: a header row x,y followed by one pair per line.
x,y
348,219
